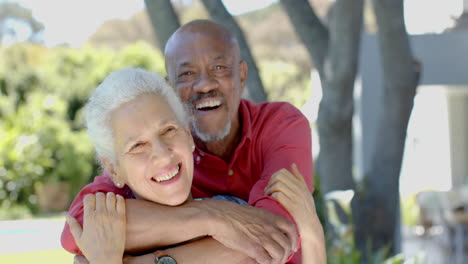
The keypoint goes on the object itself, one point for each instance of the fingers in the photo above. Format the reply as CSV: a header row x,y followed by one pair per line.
x,y
89,205
111,202
100,202
260,255
75,227
289,230
284,199
290,183
120,204
282,175
281,250
274,247
295,171
281,187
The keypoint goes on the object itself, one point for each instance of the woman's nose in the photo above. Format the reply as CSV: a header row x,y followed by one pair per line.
x,y
161,150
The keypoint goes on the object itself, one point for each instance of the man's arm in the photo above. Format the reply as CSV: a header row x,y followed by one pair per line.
x,y
149,225
255,232
204,251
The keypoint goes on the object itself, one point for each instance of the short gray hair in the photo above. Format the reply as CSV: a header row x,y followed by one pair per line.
x,y
118,88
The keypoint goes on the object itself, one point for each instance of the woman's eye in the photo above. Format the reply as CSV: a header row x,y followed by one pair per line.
x,y
137,146
169,130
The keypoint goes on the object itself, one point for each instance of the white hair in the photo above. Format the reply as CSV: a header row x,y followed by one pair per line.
x,y
118,88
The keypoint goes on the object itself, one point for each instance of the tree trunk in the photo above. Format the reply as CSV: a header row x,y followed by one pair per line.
x,y
376,207
218,13
163,19
335,53
310,29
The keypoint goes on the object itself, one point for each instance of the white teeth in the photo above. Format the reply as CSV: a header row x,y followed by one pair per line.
x,y
209,103
168,175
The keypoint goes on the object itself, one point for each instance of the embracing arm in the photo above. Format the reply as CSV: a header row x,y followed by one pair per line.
x,y
237,232
204,251
255,232
149,225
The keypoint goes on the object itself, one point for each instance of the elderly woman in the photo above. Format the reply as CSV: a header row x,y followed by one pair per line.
x,y
139,129
140,132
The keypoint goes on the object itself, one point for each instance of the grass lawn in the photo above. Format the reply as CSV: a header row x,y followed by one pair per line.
x,y
57,256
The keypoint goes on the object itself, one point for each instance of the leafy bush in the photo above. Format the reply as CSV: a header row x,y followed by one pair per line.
x,y
285,82
409,210
37,144
42,94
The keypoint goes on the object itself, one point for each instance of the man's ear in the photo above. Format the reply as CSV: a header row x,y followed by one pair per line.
x,y
110,168
244,69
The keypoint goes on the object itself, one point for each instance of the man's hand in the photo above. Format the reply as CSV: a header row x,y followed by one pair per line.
x,y
256,232
102,238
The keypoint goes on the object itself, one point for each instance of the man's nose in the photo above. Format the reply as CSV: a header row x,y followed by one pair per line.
x,y
205,83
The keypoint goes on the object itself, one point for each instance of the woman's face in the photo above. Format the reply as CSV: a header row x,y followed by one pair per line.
x,y
153,150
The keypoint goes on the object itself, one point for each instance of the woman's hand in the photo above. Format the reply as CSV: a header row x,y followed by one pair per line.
x,y
102,238
290,189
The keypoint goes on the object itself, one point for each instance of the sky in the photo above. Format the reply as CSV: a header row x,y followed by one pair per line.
x,y
72,22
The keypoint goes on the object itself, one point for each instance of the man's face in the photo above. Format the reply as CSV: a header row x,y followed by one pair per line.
x,y
209,77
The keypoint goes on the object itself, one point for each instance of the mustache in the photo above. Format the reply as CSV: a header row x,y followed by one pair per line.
x,y
210,94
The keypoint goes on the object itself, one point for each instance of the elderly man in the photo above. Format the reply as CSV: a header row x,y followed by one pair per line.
x,y
239,146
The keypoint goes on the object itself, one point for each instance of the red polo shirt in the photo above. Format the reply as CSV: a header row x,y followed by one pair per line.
x,y
274,135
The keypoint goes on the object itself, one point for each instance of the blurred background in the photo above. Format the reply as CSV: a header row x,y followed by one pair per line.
x,y
384,84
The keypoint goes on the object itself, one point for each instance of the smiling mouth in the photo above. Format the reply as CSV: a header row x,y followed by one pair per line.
x,y
208,105
167,176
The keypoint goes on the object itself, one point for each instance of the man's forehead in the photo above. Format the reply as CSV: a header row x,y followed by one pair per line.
x,y
187,52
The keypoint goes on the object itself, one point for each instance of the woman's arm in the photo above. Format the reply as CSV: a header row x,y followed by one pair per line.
x,y
102,238
205,250
290,189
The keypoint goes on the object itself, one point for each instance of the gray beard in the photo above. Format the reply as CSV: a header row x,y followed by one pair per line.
x,y
207,137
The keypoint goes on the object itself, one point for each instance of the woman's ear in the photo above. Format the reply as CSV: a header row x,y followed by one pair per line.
x,y
110,168
191,142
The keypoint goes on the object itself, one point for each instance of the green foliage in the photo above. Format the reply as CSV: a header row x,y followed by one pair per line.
x,y
37,144
319,201
285,82
42,94
15,212
409,210
341,248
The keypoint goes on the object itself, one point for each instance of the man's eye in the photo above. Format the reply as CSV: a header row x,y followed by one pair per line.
x,y
187,73
219,67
